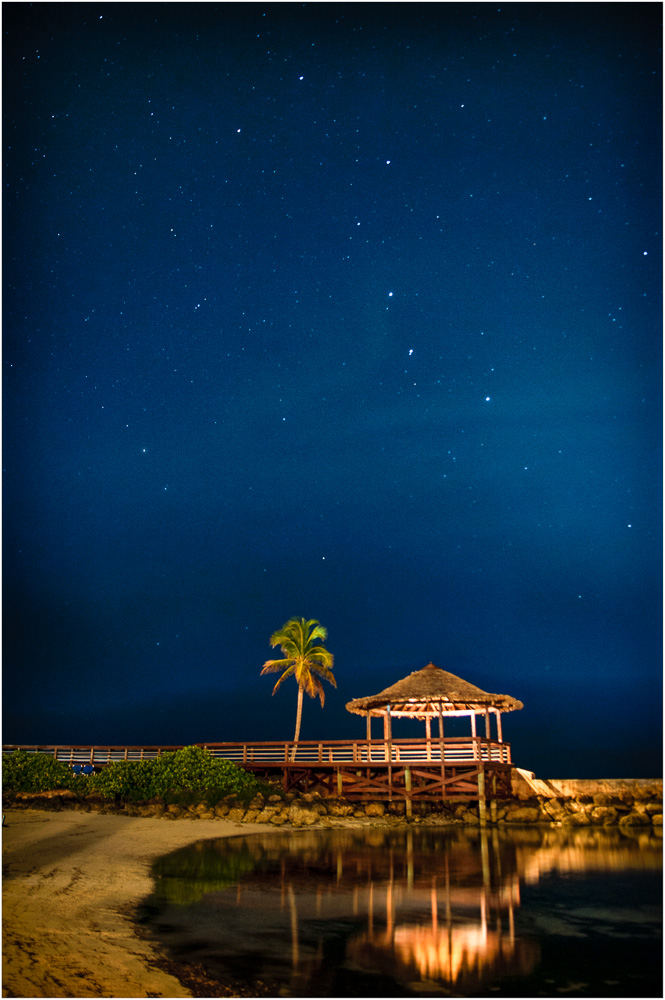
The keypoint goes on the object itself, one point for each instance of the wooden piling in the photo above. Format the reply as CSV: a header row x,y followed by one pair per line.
x,y
407,786
482,801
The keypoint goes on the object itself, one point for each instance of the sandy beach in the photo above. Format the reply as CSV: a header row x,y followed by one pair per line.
x,y
71,882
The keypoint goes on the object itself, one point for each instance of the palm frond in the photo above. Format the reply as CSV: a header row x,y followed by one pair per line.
x,y
272,666
321,655
326,674
287,673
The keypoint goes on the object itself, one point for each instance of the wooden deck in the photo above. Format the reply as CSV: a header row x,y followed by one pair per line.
x,y
451,770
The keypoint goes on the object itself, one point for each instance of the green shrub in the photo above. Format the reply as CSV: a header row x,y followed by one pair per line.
x,y
186,776
181,776
37,772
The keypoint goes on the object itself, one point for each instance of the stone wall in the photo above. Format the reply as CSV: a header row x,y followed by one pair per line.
x,y
525,784
631,804
586,801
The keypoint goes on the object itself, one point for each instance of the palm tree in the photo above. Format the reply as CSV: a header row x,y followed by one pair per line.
x,y
303,659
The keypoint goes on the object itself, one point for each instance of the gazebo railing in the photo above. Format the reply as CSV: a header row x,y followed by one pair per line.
x,y
456,750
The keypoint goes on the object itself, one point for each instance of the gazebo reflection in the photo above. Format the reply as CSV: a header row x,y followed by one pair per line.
x,y
452,946
451,931
431,910
456,927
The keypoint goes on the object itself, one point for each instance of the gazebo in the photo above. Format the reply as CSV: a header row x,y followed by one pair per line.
x,y
433,693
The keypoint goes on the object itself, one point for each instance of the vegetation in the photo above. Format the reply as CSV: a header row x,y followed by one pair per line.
x,y
182,776
303,659
36,772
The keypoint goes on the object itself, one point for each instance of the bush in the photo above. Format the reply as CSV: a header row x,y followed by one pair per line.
x,y
181,776
36,772
186,776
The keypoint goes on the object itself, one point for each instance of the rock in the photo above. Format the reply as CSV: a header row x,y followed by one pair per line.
x,y
603,799
604,815
236,814
523,814
302,817
439,819
266,814
275,799
339,807
144,810
653,808
257,802
635,818
279,819
657,819
375,809
175,811
578,819
397,808
222,809
320,808
250,815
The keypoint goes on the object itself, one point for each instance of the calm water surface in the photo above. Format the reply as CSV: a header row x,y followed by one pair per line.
x,y
414,912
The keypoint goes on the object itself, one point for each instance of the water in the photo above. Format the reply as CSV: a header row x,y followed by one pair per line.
x,y
392,912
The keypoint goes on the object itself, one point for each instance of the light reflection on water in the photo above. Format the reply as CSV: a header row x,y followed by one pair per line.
x,y
412,911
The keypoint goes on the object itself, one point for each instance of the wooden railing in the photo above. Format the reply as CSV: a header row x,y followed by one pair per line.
x,y
456,750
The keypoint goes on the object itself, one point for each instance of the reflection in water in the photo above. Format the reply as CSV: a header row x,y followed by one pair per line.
x,y
411,910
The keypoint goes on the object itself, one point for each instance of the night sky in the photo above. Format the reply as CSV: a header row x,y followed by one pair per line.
x,y
348,311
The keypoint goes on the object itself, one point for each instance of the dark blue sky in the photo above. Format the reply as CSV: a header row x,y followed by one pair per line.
x,y
349,311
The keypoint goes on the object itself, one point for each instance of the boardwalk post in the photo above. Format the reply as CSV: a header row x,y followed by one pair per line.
x,y
407,785
340,782
482,802
493,803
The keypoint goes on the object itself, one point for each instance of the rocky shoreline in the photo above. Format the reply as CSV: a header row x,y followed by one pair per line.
x,y
637,804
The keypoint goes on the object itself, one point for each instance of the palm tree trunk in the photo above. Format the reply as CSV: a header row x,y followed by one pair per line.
x,y
298,721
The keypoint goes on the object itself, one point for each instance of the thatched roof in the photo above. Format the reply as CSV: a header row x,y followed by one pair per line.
x,y
422,692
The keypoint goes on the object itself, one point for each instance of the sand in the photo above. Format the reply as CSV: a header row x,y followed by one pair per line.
x,y
71,882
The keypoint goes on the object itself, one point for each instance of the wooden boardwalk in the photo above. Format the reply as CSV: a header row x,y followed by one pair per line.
x,y
451,770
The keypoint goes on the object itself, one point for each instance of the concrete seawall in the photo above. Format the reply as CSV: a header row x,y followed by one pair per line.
x,y
526,785
624,802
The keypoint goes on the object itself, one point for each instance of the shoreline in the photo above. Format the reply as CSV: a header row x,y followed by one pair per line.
x,y
72,883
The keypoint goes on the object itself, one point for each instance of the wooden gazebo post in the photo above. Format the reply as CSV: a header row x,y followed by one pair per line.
x,y
442,752
388,736
499,733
